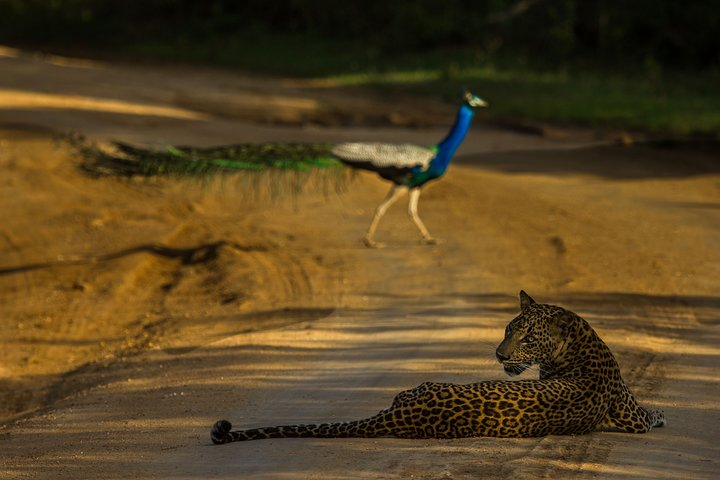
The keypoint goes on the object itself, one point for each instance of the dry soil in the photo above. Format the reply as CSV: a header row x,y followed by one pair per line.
x,y
135,313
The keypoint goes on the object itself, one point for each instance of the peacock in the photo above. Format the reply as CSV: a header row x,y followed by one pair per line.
x,y
408,167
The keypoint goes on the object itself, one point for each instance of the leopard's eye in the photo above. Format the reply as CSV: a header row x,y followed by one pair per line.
x,y
528,339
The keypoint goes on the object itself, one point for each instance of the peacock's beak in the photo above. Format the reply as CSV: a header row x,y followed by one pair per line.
x,y
475,102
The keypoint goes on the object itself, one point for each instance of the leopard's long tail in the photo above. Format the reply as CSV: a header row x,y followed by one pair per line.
x,y
369,427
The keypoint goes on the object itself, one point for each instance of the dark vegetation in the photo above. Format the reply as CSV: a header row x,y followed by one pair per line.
x,y
647,64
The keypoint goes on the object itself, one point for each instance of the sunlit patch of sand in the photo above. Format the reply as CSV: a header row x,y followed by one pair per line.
x,y
18,99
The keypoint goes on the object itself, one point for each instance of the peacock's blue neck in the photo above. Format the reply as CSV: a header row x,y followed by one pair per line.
x,y
446,148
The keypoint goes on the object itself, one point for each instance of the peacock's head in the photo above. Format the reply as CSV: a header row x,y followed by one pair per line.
x,y
473,101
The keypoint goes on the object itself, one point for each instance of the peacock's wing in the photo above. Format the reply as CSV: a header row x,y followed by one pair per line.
x,y
384,155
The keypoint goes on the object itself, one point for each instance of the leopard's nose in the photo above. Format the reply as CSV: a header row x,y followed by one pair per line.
x,y
501,356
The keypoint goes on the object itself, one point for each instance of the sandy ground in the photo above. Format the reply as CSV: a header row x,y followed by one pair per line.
x,y
133,314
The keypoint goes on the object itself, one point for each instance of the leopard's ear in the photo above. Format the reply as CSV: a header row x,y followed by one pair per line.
x,y
563,321
525,300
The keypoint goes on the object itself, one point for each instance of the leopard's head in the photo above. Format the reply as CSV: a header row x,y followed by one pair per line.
x,y
533,337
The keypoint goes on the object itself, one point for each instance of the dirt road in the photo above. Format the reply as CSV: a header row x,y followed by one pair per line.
x,y
133,314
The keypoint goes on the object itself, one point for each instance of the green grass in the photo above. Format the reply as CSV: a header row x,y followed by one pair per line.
x,y
674,105
534,66
645,99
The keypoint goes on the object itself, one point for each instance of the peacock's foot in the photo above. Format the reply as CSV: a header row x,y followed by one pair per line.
x,y
370,243
430,241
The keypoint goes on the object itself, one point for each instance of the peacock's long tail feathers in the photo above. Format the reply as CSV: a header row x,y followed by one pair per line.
x,y
290,165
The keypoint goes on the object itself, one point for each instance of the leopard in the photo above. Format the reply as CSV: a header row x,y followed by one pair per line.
x,y
579,391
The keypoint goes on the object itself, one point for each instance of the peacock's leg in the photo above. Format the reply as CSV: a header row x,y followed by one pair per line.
x,y
413,212
395,192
